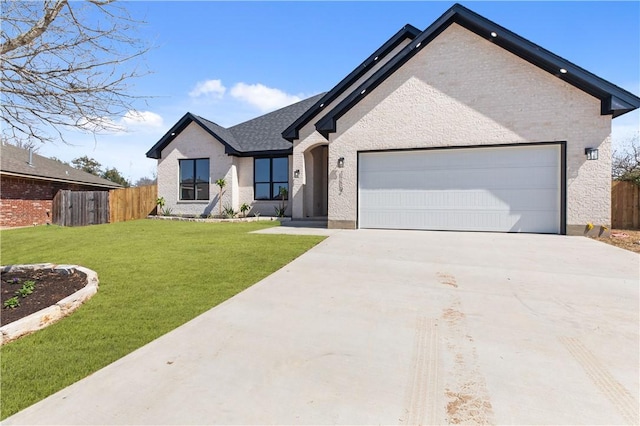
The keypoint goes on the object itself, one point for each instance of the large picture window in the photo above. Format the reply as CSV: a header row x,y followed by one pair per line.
x,y
269,175
194,179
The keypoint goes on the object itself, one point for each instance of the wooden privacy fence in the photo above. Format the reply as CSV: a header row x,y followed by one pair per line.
x,y
625,205
79,208
132,203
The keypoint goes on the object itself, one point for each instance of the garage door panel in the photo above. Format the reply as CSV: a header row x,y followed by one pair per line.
x,y
474,159
514,189
446,220
532,199
513,177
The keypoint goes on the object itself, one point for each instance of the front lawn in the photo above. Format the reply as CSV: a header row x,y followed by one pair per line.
x,y
154,276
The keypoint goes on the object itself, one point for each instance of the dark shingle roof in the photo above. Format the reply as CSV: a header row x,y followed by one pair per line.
x,y
221,133
264,133
15,161
261,135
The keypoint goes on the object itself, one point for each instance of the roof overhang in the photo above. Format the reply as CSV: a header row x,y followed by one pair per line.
x,y
156,150
269,153
614,100
407,32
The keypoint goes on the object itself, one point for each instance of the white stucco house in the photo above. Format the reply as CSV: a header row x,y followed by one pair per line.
x,y
462,126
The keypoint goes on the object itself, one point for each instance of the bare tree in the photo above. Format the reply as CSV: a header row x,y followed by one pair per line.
x,y
145,180
20,143
65,65
626,163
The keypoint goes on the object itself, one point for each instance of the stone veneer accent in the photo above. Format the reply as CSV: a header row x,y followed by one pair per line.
x,y
45,317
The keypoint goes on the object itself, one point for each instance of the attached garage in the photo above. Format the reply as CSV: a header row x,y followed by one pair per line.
x,y
464,126
514,188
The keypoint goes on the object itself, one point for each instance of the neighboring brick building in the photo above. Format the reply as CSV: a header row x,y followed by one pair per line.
x,y
28,183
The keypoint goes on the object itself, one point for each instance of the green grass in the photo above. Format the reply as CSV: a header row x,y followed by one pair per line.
x,y
154,276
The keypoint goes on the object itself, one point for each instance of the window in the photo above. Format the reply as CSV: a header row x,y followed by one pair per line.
x,y
269,175
194,179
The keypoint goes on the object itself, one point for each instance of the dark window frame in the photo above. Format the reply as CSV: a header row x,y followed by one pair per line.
x,y
194,184
270,182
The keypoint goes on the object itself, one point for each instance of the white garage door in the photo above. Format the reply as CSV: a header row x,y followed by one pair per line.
x,y
504,189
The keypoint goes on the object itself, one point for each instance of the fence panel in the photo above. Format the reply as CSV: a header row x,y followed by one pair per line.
x,y
625,205
80,208
132,203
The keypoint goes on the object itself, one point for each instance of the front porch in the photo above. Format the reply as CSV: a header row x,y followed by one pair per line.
x,y
310,187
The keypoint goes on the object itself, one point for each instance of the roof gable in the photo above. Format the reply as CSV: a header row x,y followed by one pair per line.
x,y
261,135
218,132
614,100
406,32
15,161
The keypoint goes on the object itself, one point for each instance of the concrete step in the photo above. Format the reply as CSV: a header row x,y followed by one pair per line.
x,y
305,223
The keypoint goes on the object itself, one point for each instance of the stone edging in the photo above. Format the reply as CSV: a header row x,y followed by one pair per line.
x,y
47,316
217,220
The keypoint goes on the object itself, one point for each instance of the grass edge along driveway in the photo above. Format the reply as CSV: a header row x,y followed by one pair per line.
x,y
154,276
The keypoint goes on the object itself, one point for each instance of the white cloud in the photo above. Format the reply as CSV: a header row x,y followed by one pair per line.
x,y
212,88
132,121
263,97
99,125
141,120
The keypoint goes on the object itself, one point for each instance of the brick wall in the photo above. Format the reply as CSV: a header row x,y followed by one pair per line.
x,y
27,202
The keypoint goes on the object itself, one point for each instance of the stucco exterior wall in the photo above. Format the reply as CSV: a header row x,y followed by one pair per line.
x,y
245,181
304,183
193,142
245,190
309,138
462,90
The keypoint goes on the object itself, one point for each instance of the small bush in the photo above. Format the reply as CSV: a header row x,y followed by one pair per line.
x,y
229,213
27,288
12,302
244,208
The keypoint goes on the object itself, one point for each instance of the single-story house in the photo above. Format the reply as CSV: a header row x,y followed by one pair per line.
x,y
29,182
462,126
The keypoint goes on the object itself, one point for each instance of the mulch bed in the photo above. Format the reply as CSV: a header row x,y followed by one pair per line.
x,y
623,238
51,286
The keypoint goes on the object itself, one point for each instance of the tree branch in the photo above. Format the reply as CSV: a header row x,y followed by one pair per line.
x,y
51,12
67,66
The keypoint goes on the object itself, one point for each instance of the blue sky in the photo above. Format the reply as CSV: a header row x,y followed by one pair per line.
x,y
232,61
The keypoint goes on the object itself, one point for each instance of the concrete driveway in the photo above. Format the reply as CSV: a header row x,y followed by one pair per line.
x,y
394,327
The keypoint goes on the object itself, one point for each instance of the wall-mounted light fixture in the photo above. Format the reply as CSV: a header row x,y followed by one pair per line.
x,y
340,162
591,153
296,173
